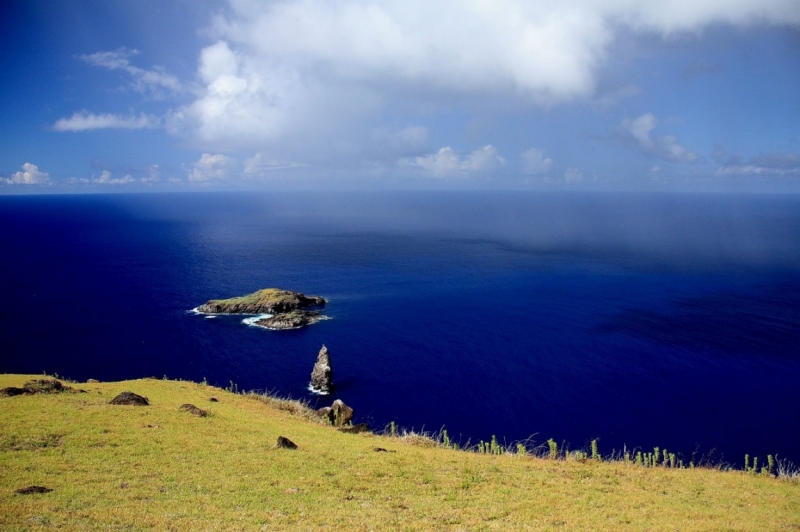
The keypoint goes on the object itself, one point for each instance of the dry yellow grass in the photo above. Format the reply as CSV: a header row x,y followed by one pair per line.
x,y
158,468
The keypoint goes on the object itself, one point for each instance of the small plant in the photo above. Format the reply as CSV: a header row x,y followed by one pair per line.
x,y
521,449
747,462
553,448
595,454
770,463
656,451
205,382
639,460
445,439
495,447
392,429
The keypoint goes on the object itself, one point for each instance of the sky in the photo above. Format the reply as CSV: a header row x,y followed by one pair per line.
x,y
688,95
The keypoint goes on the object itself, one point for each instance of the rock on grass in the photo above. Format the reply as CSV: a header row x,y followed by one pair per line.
x,y
130,398
33,489
285,443
35,386
193,410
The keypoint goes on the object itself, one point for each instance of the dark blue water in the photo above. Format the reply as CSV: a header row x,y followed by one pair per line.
x,y
642,320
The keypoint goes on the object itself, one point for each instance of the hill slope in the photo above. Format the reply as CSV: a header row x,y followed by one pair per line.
x,y
157,467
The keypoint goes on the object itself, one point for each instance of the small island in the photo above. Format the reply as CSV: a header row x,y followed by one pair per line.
x,y
283,309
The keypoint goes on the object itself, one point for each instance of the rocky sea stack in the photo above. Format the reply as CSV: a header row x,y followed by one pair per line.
x,y
322,374
288,310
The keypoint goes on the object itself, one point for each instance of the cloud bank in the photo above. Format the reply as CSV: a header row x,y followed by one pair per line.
x,y
311,78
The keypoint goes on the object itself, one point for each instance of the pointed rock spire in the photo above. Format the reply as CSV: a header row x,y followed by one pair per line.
x,y
322,374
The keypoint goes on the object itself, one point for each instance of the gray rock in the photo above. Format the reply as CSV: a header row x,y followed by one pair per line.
x,y
322,374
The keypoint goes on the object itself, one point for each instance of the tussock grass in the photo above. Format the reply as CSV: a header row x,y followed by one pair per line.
x,y
155,468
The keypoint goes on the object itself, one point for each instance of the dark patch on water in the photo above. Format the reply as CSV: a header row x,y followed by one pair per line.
x,y
763,322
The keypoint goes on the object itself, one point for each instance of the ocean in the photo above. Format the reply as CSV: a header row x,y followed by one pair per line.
x,y
639,320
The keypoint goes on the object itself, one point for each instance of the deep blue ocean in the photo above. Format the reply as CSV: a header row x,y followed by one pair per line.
x,y
639,319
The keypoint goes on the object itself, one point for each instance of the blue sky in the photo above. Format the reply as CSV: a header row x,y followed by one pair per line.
x,y
503,94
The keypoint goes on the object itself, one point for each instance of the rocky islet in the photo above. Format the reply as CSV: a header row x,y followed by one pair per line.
x,y
286,309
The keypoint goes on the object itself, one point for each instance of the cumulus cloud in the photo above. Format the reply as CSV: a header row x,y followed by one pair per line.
x,y
107,179
30,175
155,82
635,134
534,161
766,164
86,121
447,162
211,168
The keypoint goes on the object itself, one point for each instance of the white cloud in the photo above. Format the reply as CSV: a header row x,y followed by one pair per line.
x,y
312,80
261,164
154,81
211,168
573,175
309,80
636,134
107,179
446,161
30,175
767,164
534,161
85,121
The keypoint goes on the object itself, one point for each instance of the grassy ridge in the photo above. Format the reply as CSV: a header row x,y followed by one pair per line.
x,y
155,467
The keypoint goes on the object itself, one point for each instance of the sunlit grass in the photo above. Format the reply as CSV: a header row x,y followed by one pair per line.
x,y
158,468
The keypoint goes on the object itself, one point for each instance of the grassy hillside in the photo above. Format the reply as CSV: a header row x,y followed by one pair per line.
x,y
157,467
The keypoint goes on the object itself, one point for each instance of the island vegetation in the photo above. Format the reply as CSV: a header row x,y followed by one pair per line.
x,y
285,309
73,460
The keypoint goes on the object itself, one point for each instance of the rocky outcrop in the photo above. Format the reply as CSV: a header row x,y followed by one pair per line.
x,y
130,398
322,374
290,320
35,386
338,414
266,301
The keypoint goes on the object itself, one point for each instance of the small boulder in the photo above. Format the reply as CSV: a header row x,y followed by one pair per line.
x,y
92,381
285,443
130,398
213,399
193,410
33,489
11,391
322,374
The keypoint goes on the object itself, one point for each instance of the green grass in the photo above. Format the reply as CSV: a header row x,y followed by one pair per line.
x,y
157,468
